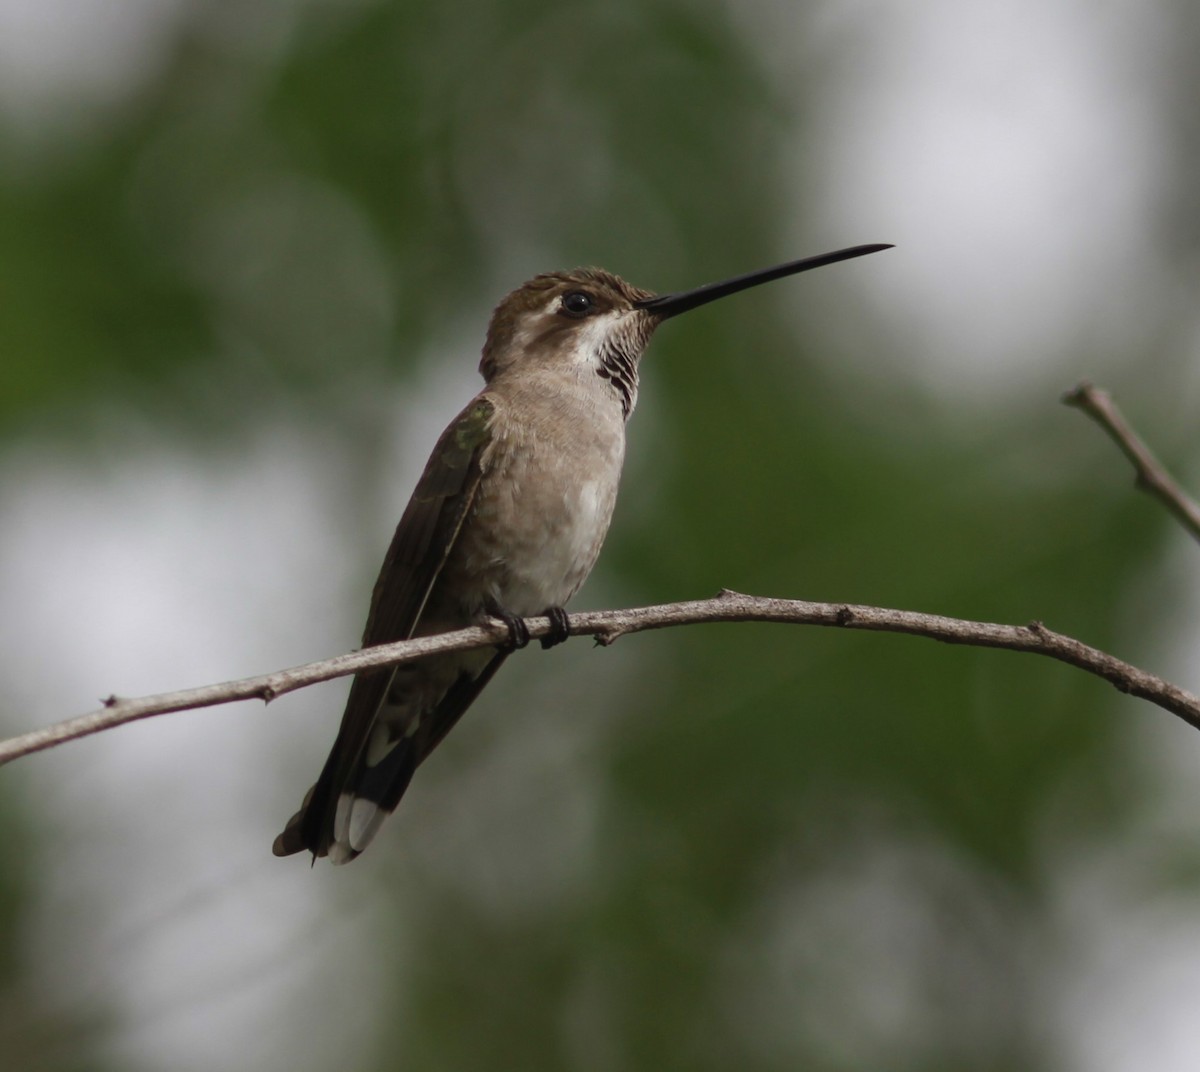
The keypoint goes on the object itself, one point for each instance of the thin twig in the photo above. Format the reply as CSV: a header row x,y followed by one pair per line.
x,y
1151,476
606,627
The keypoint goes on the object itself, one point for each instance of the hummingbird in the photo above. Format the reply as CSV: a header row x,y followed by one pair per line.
x,y
506,522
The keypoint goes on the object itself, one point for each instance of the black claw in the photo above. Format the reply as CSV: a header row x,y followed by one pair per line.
x,y
560,627
518,631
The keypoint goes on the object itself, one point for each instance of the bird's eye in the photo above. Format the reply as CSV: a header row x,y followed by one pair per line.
x,y
576,303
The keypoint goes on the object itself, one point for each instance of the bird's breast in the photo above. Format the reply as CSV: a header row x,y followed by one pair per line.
x,y
544,504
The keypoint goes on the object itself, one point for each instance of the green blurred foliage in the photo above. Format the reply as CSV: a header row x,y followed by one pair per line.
x,y
300,220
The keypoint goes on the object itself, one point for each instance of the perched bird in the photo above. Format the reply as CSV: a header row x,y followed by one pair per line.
x,y
506,521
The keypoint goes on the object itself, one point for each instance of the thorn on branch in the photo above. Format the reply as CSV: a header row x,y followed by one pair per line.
x,y
111,700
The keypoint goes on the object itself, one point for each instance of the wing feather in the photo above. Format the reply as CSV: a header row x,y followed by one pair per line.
x,y
424,539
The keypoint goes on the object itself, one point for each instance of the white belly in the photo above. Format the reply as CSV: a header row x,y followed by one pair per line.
x,y
550,561
539,523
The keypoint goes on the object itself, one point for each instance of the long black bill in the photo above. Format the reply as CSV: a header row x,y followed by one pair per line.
x,y
665,305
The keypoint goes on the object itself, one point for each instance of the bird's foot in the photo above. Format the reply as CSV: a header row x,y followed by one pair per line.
x,y
560,627
518,631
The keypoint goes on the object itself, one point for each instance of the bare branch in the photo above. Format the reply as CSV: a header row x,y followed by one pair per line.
x,y
608,626
1151,476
